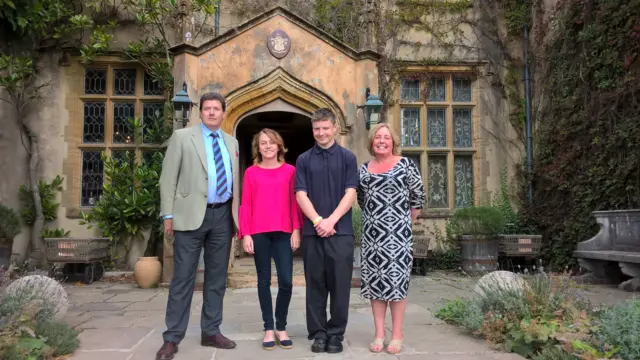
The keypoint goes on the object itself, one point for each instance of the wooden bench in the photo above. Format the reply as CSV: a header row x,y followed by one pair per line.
x,y
614,251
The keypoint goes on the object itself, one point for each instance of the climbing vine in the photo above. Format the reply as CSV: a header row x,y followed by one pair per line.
x,y
588,130
33,27
448,28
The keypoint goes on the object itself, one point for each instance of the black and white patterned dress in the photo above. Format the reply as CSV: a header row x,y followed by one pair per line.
x,y
386,200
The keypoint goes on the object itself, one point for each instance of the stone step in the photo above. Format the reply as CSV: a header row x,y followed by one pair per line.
x,y
251,281
243,275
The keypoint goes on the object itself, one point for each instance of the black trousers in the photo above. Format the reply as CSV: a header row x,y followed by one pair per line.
x,y
214,235
328,266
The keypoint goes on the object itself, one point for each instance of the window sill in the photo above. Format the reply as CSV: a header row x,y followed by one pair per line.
x,y
74,213
435,213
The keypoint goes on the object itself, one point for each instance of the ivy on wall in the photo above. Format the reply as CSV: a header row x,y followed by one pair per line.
x,y
587,154
389,22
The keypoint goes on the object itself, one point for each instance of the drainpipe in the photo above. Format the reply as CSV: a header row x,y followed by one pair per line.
x,y
527,102
218,18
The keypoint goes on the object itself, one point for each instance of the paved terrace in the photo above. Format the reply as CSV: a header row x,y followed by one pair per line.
x,y
121,322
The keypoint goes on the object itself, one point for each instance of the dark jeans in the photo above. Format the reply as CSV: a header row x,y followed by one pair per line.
x,y
328,266
215,236
277,245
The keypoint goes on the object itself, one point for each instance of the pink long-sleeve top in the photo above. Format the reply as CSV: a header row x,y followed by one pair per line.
x,y
268,201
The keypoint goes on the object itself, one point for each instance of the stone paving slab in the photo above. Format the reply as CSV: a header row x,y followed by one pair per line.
x,y
478,356
103,355
189,349
113,339
134,296
120,321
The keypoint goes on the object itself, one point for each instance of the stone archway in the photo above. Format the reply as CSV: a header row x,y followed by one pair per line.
x,y
278,84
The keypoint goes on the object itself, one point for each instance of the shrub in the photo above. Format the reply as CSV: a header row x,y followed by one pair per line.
x,y
61,337
444,259
453,311
12,307
554,353
27,328
528,316
25,348
9,223
477,221
619,326
356,214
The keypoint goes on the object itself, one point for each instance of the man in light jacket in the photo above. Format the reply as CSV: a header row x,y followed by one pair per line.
x,y
199,202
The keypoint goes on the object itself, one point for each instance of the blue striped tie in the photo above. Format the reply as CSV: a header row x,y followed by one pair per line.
x,y
221,176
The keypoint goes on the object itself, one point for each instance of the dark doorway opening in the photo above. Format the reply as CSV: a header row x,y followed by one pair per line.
x,y
295,130
296,133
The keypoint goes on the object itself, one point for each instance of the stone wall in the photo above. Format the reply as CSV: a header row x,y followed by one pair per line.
x,y
315,62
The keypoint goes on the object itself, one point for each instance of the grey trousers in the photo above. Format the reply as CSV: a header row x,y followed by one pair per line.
x,y
215,235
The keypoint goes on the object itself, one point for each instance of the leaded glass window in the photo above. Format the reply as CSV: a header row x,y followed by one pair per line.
x,y
437,196
152,117
410,90
95,81
121,156
122,130
461,89
92,177
462,133
110,97
436,88
415,158
93,122
152,87
147,156
124,81
410,127
463,180
436,128
440,132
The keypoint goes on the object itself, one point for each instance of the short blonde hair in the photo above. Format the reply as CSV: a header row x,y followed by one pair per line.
x,y
394,138
273,135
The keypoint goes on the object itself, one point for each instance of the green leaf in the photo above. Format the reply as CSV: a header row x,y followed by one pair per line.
x,y
22,22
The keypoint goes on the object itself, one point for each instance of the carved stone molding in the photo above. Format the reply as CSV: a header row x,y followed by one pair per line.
x,y
279,84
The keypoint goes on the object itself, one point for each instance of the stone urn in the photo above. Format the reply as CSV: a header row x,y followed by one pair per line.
x,y
147,272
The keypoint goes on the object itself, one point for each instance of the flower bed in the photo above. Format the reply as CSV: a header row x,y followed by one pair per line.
x,y
28,329
544,318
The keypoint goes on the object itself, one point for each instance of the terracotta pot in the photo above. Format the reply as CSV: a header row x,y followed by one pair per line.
x,y
147,272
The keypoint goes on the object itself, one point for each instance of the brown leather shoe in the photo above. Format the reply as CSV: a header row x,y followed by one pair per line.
x,y
167,351
219,341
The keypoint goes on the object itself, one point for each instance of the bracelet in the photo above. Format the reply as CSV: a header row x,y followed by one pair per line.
x,y
317,220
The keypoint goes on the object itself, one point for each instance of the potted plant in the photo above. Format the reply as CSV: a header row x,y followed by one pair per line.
x,y
477,230
9,228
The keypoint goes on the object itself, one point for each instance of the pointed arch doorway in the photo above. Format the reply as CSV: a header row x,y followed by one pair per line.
x,y
292,123
280,101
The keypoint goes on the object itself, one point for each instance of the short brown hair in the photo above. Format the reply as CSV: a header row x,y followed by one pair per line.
x,y
395,150
323,114
213,96
273,135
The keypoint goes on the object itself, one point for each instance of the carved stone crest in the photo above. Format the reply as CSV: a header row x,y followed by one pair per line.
x,y
279,44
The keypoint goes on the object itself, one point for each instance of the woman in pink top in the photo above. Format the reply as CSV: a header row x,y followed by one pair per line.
x,y
270,223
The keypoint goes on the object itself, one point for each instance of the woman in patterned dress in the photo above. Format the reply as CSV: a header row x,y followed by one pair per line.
x,y
390,195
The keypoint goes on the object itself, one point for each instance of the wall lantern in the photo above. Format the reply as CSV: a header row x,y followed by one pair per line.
x,y
372,108
182,105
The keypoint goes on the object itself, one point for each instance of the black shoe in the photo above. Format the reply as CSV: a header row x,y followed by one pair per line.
x,y
334,346
319,345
